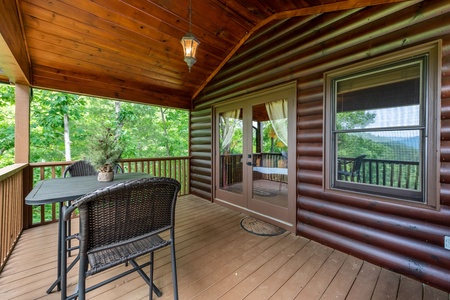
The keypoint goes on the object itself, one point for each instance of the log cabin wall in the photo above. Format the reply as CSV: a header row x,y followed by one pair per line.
x,y
399,237
200,149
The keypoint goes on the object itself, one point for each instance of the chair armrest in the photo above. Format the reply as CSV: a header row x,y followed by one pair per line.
x,y
67,212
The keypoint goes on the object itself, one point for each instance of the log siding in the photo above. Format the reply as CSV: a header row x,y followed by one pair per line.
x,y
200,152
407,239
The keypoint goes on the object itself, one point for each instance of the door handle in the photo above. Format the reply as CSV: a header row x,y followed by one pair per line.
x,y
249,163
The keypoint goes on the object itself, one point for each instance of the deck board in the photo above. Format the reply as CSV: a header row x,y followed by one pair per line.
x,y
343,280
322,279
216,259
387,285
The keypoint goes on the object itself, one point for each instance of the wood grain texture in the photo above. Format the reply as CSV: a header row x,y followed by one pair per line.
x,y
383,232
127,48
216,259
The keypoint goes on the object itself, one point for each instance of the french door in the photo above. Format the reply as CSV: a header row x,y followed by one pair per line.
x,y
254,143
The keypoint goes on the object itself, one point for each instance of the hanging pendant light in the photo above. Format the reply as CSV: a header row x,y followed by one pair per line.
x,y
190,43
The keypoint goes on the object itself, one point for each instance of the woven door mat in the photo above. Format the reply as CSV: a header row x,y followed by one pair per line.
x,y
259,227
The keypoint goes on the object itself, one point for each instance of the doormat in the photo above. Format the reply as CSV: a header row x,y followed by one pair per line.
x,y
259,227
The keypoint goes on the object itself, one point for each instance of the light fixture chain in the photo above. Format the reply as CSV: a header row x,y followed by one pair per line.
x,y
190,16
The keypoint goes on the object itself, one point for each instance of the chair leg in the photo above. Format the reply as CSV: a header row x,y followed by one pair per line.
x,y
150,295
174,270
145,277
82,277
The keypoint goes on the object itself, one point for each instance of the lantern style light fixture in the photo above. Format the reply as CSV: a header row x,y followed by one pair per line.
x,y
190,43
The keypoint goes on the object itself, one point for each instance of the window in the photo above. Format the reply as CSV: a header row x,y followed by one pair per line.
x,y
381,126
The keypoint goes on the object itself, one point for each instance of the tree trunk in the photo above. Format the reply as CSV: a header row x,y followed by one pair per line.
x,y
67,138
163,120
118,119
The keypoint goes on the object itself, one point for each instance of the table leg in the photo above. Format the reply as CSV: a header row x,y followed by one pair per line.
x,y
57,282
62,254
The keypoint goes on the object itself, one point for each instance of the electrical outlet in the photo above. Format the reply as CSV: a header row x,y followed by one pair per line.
x,y
447,242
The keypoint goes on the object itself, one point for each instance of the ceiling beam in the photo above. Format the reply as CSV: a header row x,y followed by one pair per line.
x,y
14,57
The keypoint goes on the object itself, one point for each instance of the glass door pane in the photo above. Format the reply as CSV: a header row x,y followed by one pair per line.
x,y
231,151
270,167
251,154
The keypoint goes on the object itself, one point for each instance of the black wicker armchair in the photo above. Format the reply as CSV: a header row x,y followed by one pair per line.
x,y
84,168
121,223
79,168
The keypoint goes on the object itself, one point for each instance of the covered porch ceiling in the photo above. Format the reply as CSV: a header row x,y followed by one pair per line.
x,y
130,49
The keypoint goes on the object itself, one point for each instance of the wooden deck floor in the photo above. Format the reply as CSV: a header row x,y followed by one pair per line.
x,y
218,260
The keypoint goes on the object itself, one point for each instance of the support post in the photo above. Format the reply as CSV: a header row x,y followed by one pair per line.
x,y
22,143
22,129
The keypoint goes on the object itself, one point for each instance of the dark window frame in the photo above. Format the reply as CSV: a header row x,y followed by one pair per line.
x,y
428,55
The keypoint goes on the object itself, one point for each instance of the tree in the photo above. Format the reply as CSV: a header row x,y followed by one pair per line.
x,y
7,106
50,128
61,127
353,144
354,119
164,128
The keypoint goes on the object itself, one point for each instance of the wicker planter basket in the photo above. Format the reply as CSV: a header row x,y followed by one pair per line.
x,y
105,176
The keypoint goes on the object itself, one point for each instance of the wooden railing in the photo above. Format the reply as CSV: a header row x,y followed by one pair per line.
x,y
11,209
173,167
391,173
270,160
231,167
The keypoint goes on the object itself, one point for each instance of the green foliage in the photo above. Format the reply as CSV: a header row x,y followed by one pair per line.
x,y
353,145
47,122
354,119
141,128
144,134
7,106
236,146
377,146
271,143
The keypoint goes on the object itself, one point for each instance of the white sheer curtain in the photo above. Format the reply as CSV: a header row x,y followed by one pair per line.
x,y
228,121
278,112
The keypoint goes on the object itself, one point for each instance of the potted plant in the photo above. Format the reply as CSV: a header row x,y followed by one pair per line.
x,y
105,153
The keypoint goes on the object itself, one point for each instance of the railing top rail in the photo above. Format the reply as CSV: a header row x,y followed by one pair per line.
x,y
256,153
66,163
155,158
9,171
403,162
50,163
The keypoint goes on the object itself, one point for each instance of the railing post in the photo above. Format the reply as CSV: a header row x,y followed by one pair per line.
x,y
27,187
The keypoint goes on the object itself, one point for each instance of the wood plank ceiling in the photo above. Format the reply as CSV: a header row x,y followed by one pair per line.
x,y
131,49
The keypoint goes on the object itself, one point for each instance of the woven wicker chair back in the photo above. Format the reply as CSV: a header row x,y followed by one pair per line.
x,y
80,168
127,210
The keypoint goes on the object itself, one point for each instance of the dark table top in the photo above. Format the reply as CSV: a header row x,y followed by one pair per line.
x,y
65,189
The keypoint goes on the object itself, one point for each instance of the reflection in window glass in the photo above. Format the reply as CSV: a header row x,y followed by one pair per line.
x,y
378,130
230,143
